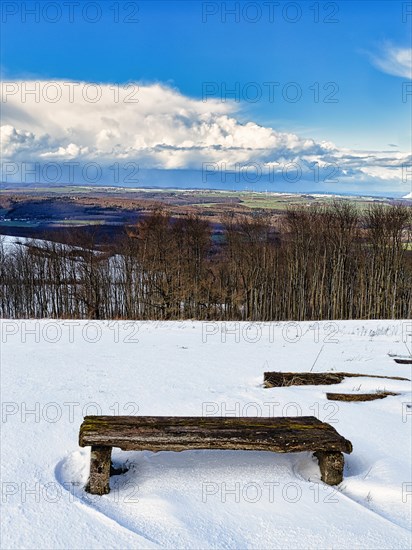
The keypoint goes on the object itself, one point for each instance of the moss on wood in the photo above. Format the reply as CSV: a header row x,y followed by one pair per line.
x,y
155,433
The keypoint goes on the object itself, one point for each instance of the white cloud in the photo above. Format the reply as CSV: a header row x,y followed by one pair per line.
x,y
164,128
72,151
394,61
158,127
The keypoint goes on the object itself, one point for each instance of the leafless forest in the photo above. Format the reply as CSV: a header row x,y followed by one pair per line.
x,y
316,263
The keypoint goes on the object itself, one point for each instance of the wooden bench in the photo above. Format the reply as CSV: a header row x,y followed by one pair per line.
x,y
170,433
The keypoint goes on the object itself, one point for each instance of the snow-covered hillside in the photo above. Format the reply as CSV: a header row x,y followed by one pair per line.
x,y
53,373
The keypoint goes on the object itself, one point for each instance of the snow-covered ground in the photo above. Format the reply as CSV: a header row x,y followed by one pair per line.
x,y
53,373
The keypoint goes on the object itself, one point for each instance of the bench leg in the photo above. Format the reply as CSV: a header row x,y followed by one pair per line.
x,y
331,466
99,471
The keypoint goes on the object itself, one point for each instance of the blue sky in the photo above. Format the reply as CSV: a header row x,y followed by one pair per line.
x,y
186,44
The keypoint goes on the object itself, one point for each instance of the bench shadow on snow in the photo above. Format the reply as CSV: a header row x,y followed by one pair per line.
x,y
164,477
163,484
150,468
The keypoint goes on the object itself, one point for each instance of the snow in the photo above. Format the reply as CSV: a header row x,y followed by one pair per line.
x,y
9,242
54,372
408,196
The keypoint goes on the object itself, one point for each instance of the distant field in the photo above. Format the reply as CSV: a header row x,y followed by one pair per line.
x,y
31,211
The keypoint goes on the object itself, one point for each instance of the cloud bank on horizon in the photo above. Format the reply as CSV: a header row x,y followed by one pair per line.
x,y
158,127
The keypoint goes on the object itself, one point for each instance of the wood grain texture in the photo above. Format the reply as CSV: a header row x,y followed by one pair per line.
x,y
281,379
99,477
169,433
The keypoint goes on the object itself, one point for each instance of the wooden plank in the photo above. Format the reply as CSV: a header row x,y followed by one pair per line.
x,y
281,379
359,396
292,434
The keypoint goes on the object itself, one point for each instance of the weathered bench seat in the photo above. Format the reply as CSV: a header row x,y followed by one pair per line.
x,y
165,433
